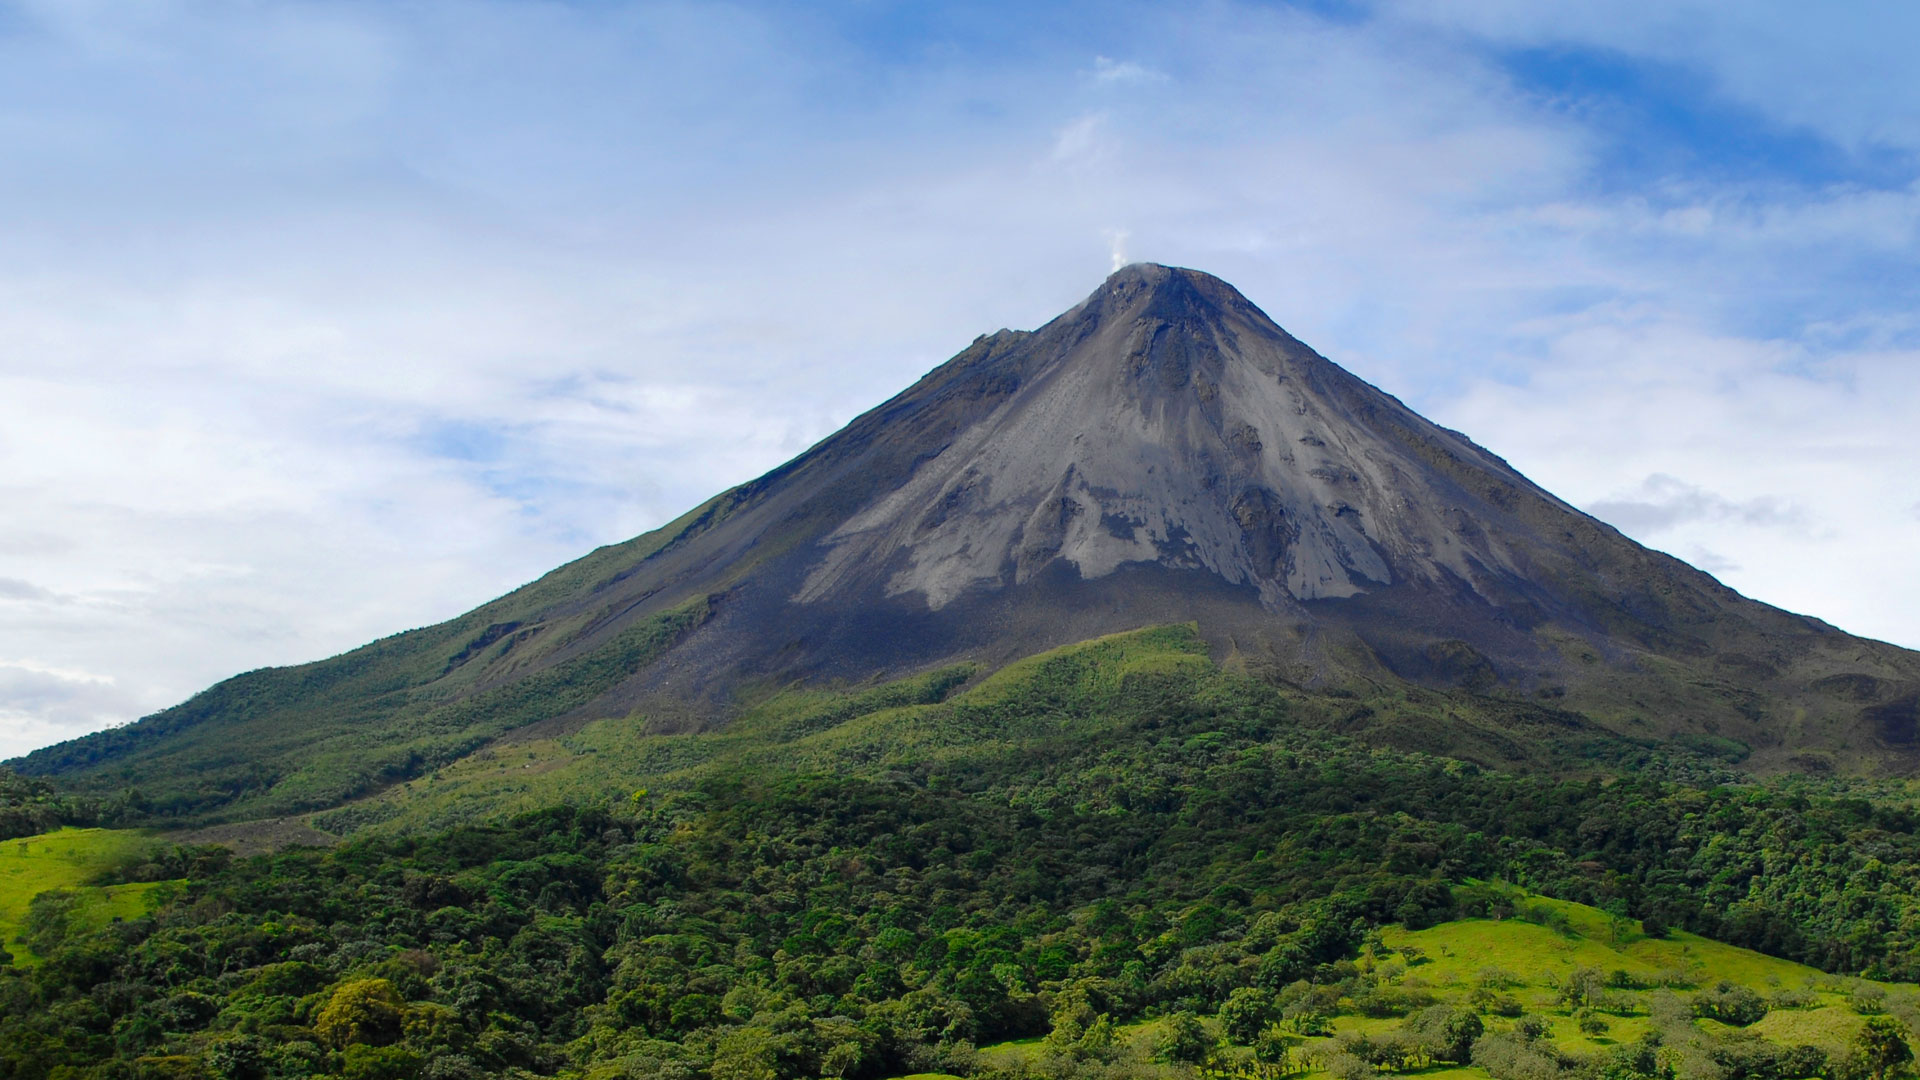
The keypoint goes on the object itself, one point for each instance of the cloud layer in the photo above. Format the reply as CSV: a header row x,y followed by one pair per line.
x,y
322,321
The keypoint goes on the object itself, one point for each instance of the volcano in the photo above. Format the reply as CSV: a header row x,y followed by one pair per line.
x,y
1163,452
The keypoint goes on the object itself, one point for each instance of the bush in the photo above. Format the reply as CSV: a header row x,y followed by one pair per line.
x,y
363,1062
1880,1049
1868,1001
1730,1004
1792,999
1344,1066
240,1058
1185,1040
1517,1055
1487,1001
1274,1046
1384,1001
1443,1033
1583,987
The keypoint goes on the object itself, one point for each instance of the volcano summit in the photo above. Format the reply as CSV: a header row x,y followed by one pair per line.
x,y
1163,452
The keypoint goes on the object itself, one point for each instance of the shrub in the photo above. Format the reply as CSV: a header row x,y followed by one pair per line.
x,y
1344,1066
1443,1033
363,1062
1881,1049
1730,1004
1868,1001
1274,1046
1583,987
1791,999
1487,1001
1185,1040
1516,1056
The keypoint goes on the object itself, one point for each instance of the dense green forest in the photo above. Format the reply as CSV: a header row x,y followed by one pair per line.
x,y
30,805
1204,847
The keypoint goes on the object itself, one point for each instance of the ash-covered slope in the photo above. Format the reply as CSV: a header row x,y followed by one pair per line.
x,y
1167,421
1162,452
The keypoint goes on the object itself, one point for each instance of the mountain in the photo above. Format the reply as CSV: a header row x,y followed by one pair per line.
x,y
1161,453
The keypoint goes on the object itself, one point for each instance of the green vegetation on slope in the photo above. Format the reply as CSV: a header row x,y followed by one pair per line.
x,y
30,805
1802,869
285,740
66,863
1113,838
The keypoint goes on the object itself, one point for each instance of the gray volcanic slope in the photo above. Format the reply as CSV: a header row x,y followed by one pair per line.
x,y
1162,452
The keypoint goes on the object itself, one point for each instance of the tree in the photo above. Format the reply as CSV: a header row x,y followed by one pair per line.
x,y
368,1011
1592,1025
1311,1023
1730,1004
1462,1029
1882,1047
1246,1014
1185,1040
242,1057
1275,1046
1618,924
1443,1033
1584,987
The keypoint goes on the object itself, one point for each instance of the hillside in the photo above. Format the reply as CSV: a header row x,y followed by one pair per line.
x,y
1057,706
1096,862
61,868
1193,882
1162,453
1602,990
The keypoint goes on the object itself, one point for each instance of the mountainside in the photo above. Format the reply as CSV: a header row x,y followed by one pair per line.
x,y
1161,453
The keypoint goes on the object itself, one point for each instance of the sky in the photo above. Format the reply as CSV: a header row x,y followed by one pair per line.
x,y
321,321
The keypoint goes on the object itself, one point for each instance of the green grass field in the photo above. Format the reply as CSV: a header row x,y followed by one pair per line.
x,y
1533,960
66,859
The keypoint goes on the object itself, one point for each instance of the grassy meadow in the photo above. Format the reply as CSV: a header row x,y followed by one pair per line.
x,y
67,859
1529,961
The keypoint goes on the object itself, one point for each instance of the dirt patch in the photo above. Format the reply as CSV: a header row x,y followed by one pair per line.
x,y
259,837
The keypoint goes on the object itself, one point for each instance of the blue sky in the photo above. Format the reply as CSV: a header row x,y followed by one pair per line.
x,y
323,320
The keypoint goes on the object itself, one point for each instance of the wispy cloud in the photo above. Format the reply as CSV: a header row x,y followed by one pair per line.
x,y
1662,502
1108,71
1711,561
15,589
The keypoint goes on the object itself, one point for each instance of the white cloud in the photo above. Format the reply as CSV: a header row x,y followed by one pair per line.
x,y
15,589
1841,69
1107,71
1662,502
1711,561
1079,140
1793,482
44,702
